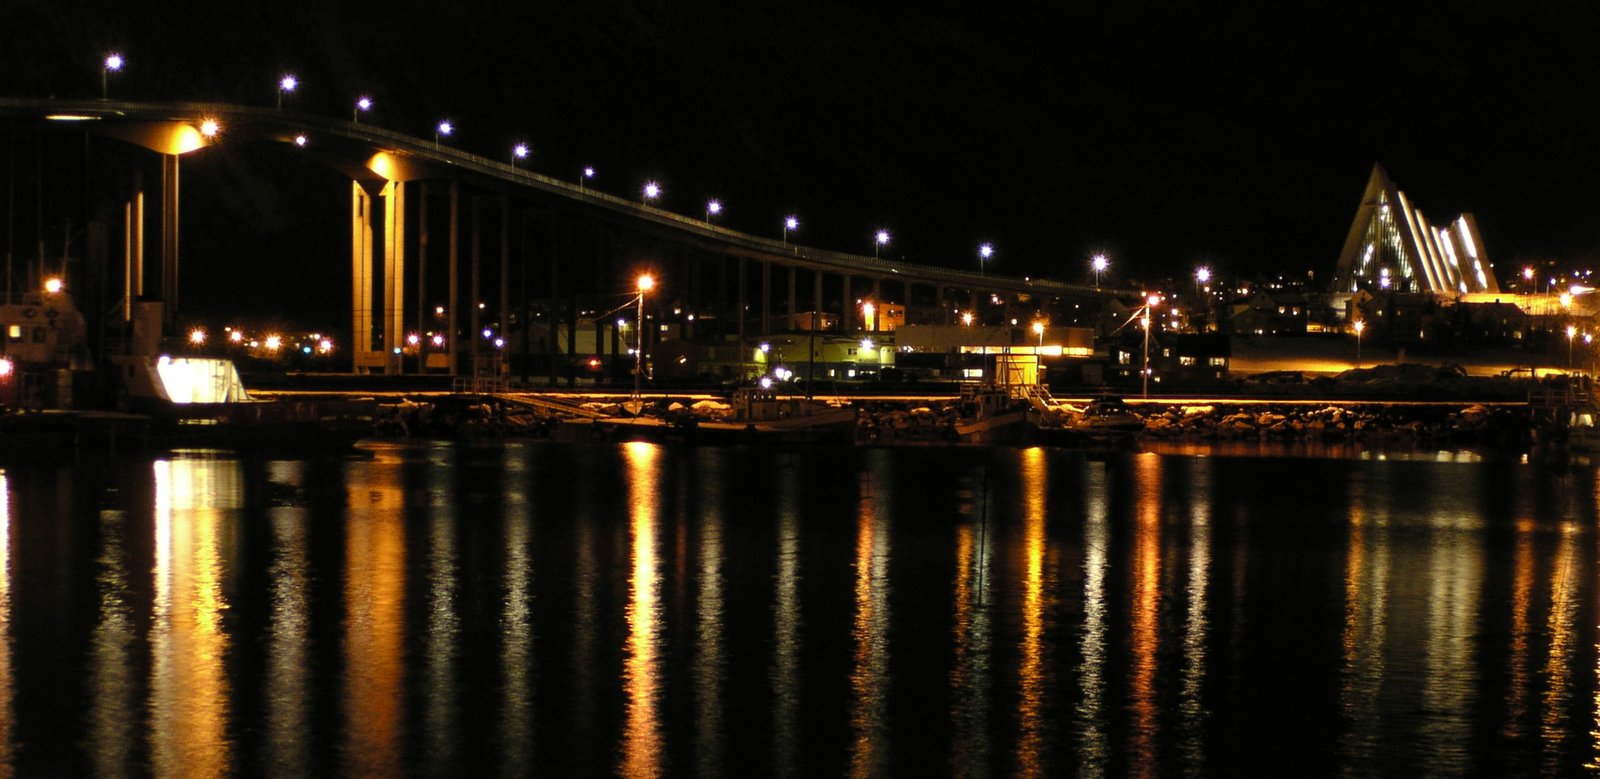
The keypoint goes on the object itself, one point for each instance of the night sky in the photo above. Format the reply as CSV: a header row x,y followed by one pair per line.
x,y
1168,135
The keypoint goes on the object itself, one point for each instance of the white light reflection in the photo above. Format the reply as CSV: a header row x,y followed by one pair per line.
x,y
641,736
288,690
969,683
516,717
442,634
869,681
708,645
1197,621
188,685
1092,724
113,682
1562,628
1454,578
8,755
787,628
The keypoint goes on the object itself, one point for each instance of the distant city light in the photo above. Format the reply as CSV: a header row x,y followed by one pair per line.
x,y
53,285
286,84
520,151
713,207
197,336
209,128
652,190
300,140
113,62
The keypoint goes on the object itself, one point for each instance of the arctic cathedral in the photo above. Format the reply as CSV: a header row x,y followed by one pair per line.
x,y
1392,246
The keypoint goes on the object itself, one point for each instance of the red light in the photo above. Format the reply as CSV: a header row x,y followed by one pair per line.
x,y
5,367
594,362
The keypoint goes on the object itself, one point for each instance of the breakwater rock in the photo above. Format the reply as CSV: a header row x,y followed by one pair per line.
x,y
933,420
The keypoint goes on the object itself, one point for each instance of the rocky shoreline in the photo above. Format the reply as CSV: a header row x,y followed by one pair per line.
x,y
929,421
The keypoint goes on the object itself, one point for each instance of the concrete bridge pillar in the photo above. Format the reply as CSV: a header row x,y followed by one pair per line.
x,y
377,324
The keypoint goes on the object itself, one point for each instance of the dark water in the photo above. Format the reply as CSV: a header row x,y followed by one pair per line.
x,y
639,610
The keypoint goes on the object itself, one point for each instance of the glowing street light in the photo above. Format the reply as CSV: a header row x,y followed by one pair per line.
x,y
790,224
112,64
713,207
518,152
1359,326
197,337
588,173
363,103
867,311
966,318
53,285
286,84
646,283
1572,332
1038,330
985,251
652,190
1099,263
301,140
879,240
442,130
209,128
1150,302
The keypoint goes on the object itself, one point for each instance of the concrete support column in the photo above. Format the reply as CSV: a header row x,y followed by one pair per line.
x,y
742,304
847,303
505,285
816,297
360,278
454,302
766,297
394,273
793,309
169,240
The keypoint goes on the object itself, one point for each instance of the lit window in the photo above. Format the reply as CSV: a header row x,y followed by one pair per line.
x,y
1217,361
14,332
1186,360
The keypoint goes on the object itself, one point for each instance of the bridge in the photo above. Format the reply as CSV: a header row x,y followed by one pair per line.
x,y
577,249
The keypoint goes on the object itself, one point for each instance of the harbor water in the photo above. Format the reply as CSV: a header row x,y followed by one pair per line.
x,y
639,610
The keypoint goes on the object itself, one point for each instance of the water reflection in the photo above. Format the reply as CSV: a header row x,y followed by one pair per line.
x,y
787,629
1031,675
969,679
1153,615
189,692
641,740
375,568
869,679
288,691
1094,748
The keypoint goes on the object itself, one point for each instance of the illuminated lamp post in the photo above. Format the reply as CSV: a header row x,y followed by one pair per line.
x,y
442,130
652,190
879,240
646,283
286,84
1149,303
985,251
1360,325
363,103
1572,332
1099,263
713,207
518,152
1038,330
112,64
790,224
588,173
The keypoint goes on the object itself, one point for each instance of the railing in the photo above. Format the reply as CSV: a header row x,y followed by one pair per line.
x,y
478,385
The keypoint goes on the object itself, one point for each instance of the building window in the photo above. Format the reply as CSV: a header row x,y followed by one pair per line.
x,y
1124,358
1217,361
1186,360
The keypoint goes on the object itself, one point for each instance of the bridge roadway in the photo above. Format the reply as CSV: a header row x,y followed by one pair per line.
x,y
381,163
368,150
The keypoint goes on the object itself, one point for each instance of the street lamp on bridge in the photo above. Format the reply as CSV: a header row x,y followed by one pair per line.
x,y
112,64
790,224
985,251
879,240
363,103
286,84
652,190
588,173
1098,263
713,207
518,152
1359,326
443,130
